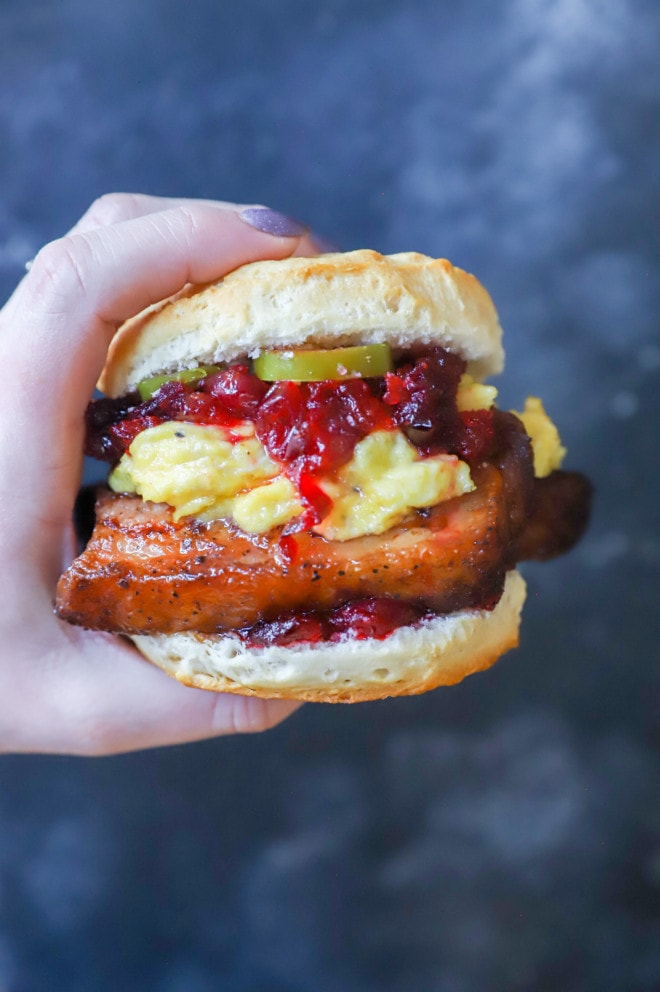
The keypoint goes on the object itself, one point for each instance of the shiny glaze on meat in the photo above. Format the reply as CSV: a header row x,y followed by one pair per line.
x,y
143,573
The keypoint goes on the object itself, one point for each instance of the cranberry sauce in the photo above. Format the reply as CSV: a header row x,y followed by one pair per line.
x,y
313,427
423,398
357,620
222,398
377,618
100,418
310,428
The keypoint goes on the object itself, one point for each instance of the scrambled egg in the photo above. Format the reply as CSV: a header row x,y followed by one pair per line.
x,y
259,509
211,473
204,472
385,478
201,472
473,395
546,444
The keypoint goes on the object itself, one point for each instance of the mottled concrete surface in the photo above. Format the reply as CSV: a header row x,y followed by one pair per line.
x,y
502,835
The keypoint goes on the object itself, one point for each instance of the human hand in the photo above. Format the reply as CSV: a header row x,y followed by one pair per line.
x,y
64,689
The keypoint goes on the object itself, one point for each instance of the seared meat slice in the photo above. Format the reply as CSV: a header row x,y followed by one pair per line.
x,y
141,572
559,515
547,516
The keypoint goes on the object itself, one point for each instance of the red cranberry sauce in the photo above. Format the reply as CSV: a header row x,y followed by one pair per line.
x,y
423,398
377,618
238,391
223,398
358,620
100,417
313,427
310,428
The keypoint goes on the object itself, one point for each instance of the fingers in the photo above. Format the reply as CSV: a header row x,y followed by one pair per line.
x,y
113,208
81,287
56,329
80,691
98,696
108,273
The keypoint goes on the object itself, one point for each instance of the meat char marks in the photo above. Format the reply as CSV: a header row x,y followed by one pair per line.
x,y
143,573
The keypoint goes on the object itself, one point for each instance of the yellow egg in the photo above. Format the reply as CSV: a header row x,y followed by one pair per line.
x,y
196,469
383,481
473,395
202,472
546,443
267,506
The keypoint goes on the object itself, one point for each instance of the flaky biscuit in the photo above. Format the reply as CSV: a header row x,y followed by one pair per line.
x,y
358,297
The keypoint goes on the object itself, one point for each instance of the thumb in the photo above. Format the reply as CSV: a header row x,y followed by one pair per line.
x,y
55,331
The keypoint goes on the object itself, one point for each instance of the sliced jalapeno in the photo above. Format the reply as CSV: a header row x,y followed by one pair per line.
x,y
147,387
307,365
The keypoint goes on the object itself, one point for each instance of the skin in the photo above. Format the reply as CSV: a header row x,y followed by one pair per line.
x,y
64,689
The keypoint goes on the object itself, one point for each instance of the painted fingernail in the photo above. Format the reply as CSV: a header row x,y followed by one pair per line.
x,y
272,222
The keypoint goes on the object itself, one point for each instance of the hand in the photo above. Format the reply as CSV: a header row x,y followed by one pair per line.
x,y
64,689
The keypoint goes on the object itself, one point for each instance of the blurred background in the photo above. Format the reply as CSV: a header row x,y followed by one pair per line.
x,y
501,835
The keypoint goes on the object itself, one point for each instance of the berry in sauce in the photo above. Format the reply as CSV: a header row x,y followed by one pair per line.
x,y
371,618
237,390
377,618
314,427
423,398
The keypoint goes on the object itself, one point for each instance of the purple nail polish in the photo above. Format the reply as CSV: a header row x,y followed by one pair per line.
x,y
272,222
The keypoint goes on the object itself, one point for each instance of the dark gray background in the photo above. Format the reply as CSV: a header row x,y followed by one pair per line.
x,y
501,835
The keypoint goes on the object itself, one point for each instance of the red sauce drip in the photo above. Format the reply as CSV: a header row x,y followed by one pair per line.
x,y
317,503
288,547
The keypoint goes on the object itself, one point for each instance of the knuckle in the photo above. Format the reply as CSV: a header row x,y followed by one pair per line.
x,y
180,223
58,268
190,217
111,208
